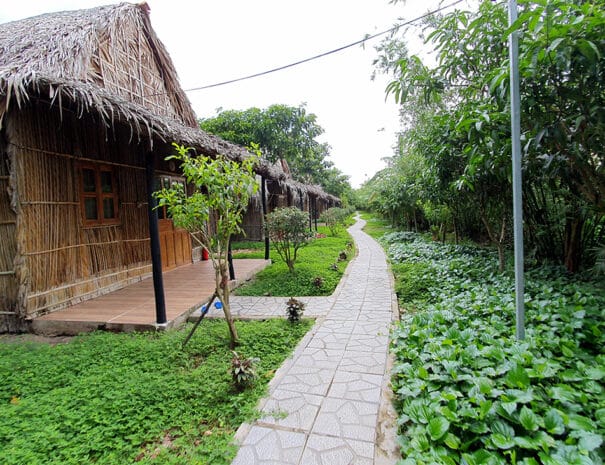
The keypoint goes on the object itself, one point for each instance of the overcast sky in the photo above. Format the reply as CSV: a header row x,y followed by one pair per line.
x,y
218,40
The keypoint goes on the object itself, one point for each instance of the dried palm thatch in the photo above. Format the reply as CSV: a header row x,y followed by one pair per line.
x,y
89,56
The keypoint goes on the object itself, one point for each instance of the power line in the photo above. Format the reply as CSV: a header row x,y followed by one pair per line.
x,y
321,55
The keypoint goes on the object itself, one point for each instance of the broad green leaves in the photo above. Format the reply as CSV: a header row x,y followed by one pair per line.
x,y
467,392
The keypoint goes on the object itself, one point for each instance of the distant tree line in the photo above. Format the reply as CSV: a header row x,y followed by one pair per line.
x,y
283,133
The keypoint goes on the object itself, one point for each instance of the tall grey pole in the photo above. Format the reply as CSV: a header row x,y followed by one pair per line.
x,y
515,104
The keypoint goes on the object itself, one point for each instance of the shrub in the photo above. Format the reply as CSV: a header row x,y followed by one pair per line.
x,y
334,218
288,229
243,371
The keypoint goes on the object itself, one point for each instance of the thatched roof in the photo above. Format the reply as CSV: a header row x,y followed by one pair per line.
x,y
81,59
97,58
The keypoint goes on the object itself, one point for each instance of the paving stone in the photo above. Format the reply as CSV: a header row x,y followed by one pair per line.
x,y
310,380
329,340
291,409
343,316
337,326
347,419
363,362
325,450
319,358
324,409
356,386
368,343
267,446
372,328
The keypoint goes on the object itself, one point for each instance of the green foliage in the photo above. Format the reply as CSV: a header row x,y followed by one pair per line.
x,y
468,392
288,230
243,371
221,192
283,132
133,398
375,227
456,128
314,261
335,219
294,310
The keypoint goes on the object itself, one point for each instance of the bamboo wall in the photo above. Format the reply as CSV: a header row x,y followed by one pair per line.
x,y
8,248
64,262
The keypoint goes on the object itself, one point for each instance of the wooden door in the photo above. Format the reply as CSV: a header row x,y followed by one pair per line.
x,y
175,243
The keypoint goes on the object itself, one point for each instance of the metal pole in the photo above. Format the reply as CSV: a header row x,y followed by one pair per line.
x,y
154,236
515,109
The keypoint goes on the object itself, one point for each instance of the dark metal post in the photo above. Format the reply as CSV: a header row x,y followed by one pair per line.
x,y
310,212
263,193
154,236
230,261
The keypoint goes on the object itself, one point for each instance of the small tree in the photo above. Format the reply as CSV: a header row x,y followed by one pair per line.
x,y
334,218
222,190
289,231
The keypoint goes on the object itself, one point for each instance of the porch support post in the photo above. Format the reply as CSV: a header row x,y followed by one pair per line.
x,y
315,211
154,236
263,194
310,211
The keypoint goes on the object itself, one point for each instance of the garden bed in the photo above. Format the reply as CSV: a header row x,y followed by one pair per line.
x,y
467,392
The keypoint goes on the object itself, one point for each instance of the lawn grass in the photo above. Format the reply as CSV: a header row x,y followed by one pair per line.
x,y
134,398
314,261
375,227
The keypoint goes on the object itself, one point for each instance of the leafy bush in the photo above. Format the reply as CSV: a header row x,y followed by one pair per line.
x,y
468,393
400,236
243,371
288,230
335,219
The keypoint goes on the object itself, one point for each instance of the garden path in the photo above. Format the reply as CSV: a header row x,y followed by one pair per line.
x,y
330,403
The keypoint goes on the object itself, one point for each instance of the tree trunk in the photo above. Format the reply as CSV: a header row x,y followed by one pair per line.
x,y
222,290
498,241
573,244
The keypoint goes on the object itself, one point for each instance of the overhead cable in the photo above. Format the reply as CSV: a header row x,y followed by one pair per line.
x,y
321,55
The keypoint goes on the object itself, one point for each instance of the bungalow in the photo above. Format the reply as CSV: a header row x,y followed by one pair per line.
x,y
89,105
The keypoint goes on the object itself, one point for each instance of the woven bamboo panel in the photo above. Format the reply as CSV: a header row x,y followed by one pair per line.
x,y
64,260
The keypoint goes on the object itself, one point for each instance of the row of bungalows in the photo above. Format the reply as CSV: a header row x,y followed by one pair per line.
x,y
90,104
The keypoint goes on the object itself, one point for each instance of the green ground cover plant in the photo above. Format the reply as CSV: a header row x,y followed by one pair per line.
x,y
375,227
467,392
318,259
134,398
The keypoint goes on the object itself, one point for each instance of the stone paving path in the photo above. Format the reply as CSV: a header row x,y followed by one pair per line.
x,y
329,404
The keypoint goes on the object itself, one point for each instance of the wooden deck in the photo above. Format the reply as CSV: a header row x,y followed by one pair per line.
x,y
133,307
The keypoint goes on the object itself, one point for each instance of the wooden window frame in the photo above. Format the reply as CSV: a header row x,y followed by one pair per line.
x,y
98,195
